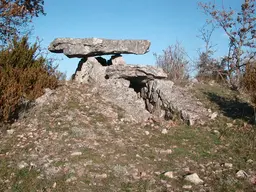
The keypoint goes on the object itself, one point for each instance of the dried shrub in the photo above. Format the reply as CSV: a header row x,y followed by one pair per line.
x,y
249,82
23,76
15,16
210,69
173,61
240,29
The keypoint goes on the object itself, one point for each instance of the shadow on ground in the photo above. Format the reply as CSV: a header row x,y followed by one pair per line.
x,y
232,108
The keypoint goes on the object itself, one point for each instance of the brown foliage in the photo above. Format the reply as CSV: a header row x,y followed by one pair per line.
x,y
23,76
15,14
249,80
240,28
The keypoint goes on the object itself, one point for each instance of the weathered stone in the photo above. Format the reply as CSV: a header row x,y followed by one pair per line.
x,y
175,101
117,60
118,92
241,174
137,73
85,47
77,153
228,165
194,178
169,174
45,97
89,70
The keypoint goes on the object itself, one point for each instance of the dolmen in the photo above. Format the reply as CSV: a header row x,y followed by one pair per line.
x,y
142,92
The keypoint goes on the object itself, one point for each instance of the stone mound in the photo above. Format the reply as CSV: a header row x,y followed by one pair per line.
x,y
142,91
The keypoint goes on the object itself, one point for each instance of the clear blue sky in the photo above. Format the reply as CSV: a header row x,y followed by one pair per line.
x,y
160,21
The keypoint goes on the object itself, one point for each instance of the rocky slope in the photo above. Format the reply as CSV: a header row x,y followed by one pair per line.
x,y
74,139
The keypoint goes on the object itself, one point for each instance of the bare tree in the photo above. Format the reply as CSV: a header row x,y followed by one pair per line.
x,y
173,61
240,28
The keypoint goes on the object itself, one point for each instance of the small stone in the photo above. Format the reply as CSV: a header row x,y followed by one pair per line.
x,y
143,174
169,174
164,131
194,178
187,186
76,153
157,173
241,174
71,179
214,115
22,165
249,161
229,125
186,169
101,176
216,132
168,151
253,180
146,132
54,185
228,165
10,131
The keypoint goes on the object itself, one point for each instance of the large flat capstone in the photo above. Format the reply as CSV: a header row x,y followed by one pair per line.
x,y
135,72
85,47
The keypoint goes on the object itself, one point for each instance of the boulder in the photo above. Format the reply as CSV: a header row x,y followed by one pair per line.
x,y
86,47
117,60
118,92
90,70
135,72
176,102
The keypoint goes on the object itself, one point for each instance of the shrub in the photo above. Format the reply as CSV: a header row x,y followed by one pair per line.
x,y
173,61
23,75
210,69
249,82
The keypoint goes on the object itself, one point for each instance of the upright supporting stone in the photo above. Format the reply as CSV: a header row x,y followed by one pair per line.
x,y
117,60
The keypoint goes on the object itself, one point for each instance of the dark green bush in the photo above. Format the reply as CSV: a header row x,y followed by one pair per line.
x,y
23,75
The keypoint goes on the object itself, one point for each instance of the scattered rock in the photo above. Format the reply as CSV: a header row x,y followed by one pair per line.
x,y
85,47
216,132
194,178
164,131
229,125
101,176
228,165
45,97
214,115
249,161
10,131
76,153
241,174
186,169
146,132
71,179
22,165
169,174
253,180
54,185
187,186
168,151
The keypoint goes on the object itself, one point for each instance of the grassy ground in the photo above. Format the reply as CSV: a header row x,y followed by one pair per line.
x,y
77,146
